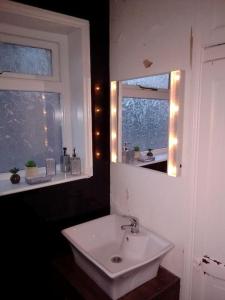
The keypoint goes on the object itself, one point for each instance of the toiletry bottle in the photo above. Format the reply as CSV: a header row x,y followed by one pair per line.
x,y
65,161
125,153
150,154
75,164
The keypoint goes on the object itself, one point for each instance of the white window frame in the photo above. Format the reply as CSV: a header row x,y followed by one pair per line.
x,y
27,82
133,91
58,42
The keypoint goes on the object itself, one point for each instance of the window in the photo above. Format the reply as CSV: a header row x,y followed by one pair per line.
x,y
155,82
145,123
25,60
30,116
145,112
31,128
45,101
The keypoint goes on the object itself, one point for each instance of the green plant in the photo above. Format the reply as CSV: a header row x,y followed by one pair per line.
x,y
30,164
14,170
136,148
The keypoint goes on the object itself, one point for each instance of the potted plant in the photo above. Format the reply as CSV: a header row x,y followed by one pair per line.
x,y
136,152
31,169
14,178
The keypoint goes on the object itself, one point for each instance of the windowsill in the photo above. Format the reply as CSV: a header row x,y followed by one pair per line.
x,y
158,158
7,188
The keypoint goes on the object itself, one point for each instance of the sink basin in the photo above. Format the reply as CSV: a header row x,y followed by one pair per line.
x,y
117,260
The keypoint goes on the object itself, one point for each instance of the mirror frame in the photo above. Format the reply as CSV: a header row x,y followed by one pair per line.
x,y
176,99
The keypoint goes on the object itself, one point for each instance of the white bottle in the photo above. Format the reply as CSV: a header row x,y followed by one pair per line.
x,y
75,164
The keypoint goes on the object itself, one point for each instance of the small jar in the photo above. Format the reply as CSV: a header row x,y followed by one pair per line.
x,y
50,166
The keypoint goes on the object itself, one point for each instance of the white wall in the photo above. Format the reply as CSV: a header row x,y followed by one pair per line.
x,y
149,30
160,31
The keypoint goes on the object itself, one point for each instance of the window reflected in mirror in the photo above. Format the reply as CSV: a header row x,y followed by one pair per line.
x,y
143,123
145,119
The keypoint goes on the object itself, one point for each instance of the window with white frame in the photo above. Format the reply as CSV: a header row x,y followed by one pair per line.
x,y
45,91
145,112
31,100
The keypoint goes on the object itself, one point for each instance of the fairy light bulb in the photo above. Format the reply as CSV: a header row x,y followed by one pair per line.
x,y
173,141
113,135
172,170
97,87
97,154
113,157
113,110
174,108
97,109
177,76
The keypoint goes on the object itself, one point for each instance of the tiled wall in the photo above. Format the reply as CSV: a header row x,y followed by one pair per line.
x,y
32,220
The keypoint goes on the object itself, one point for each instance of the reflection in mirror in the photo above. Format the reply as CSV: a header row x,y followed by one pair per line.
x,y
145,122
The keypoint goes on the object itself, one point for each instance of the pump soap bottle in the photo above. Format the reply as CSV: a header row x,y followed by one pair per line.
x,y
65,161
75,164
124,153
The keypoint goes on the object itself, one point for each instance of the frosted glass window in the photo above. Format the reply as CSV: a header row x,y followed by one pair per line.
x,y
30,128
25,60
157,81
145,123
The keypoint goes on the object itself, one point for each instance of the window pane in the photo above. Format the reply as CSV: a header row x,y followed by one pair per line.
x,y
157,81
30,128
25,60
145,123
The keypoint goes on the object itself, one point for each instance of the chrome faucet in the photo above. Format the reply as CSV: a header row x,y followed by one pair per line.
x,y
134,225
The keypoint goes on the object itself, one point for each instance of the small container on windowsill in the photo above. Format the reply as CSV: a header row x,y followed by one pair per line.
x,y
50,166
38,179
31,171
137,152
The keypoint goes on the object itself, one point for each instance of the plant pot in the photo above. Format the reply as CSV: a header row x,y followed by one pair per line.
x,y
15,178
31,171
137,154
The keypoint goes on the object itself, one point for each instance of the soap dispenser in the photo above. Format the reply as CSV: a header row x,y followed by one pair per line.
x,y
124,153
75,164
65,161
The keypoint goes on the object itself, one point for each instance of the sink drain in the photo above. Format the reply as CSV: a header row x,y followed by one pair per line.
x,y
116,259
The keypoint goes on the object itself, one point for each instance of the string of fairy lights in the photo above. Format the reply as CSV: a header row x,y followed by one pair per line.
x,y
98,113
45,121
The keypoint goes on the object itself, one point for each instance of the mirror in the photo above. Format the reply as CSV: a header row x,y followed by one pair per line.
x,y
146,117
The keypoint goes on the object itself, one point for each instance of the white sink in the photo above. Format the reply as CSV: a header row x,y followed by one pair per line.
x,y
117,260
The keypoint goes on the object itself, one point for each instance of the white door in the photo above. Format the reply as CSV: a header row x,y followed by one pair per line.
x,y
209,277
